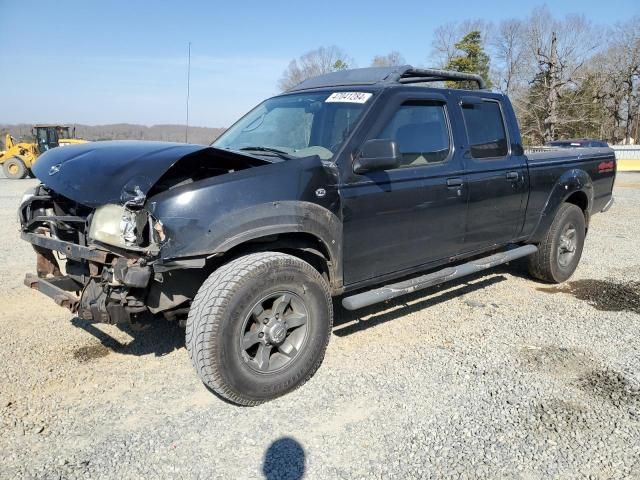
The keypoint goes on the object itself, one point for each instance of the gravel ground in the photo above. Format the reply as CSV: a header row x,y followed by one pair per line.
x,y
496,376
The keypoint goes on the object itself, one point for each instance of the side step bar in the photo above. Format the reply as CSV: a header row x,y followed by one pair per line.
x,y
388,292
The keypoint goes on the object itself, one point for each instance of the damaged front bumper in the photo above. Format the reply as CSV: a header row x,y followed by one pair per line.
x,y
110,290
57,288
71,250
81,267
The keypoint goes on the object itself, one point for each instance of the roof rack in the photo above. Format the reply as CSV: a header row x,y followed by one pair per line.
x,y
425,75
404,74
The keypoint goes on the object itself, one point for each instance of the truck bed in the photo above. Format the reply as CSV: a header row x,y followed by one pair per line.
x,y
565,155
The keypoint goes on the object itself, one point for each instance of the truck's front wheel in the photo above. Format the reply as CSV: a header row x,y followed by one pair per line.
x,y
560,250
259,326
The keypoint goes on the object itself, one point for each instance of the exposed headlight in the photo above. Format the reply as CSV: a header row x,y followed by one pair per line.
x,y
27,195
117,225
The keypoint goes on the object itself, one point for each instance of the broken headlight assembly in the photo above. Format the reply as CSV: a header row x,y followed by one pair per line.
x,y
28,195
122,227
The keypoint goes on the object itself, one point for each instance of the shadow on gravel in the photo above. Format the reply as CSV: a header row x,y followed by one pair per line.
x,y
284,460
429,297
158,337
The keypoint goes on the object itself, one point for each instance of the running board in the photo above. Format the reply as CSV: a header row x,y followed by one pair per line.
x,y
388,292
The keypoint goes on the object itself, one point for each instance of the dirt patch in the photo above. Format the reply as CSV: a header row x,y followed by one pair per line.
x,y
612,386
559,416
603,294
557,361
578,369
90,352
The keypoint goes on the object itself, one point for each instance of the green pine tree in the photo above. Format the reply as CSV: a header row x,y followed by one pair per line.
x,y
472,59
340,65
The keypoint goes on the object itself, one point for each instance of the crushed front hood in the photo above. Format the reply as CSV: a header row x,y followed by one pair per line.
x,y
99,173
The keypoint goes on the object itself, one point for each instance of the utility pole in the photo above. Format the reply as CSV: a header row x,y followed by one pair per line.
x,y
186,128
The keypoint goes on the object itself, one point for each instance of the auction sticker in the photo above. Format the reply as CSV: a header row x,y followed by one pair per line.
x,y
348,97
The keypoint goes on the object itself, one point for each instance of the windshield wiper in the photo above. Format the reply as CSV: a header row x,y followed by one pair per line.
x,y
280,153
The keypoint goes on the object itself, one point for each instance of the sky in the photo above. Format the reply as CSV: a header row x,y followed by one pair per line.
x,y
112,61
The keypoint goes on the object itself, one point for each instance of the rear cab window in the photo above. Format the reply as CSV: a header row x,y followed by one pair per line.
x,y
486,130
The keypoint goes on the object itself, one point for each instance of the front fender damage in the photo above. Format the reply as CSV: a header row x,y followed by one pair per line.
x,y
86,249
147,247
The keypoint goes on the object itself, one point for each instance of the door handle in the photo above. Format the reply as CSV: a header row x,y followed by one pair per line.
x,y
513,176
454,182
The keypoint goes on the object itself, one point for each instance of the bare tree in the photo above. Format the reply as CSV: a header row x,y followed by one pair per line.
x,y
443,44
508,48
627,59
445,37
315,62
550,65
605,68
391,59
617,70
559,48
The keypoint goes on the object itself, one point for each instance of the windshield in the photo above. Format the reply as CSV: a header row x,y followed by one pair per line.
x,y
63,132
297,125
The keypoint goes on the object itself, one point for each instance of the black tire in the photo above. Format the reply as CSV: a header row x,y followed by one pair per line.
x,y
223,314
14,168
557,257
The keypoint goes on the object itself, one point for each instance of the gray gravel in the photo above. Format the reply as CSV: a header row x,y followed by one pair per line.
x,y
493,377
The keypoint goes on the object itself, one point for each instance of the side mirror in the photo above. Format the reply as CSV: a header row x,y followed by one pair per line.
x,y
377,154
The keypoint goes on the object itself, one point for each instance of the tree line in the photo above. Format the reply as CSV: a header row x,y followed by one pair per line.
x,y
123,131
567,77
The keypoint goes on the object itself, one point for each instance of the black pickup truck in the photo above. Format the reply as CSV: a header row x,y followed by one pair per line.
x,y
366,184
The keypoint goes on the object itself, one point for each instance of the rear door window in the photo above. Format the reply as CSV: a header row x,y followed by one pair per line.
x,y
485,129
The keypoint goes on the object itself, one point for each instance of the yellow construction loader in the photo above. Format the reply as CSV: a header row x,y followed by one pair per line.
x,y
18,157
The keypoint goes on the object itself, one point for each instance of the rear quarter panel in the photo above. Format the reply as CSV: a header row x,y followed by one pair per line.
x,y
556,175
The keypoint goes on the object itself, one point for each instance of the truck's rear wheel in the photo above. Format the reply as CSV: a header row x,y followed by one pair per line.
x,y
559,252
259,326
14,168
